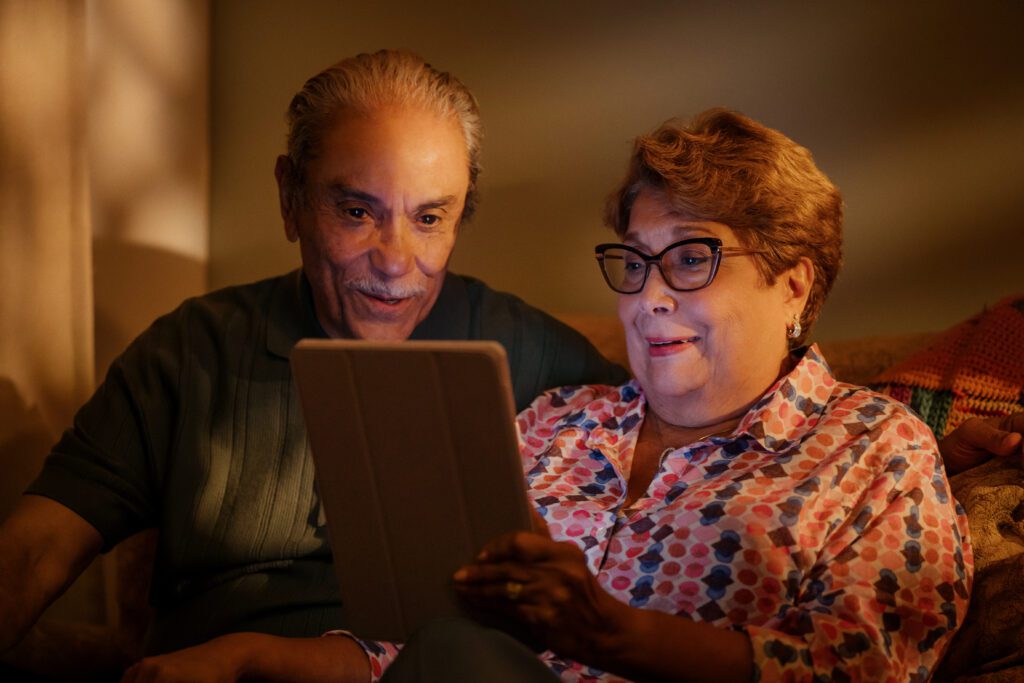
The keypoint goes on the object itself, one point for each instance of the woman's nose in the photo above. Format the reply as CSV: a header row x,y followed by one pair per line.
x,y
657,296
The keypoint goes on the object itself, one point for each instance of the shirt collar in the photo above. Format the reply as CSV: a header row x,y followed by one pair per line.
x,y
779,420
449,317
292,315
792,406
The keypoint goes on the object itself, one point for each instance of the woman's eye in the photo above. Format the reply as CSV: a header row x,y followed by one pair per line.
x,y
689,259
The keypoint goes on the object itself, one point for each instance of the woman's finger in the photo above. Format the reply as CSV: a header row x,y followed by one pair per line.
x,y
499,592
539,524
520,546
493,572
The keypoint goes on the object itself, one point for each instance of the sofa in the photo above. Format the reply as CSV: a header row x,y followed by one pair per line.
x,y
990,646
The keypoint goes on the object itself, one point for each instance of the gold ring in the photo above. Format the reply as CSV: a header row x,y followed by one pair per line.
x,y
513,589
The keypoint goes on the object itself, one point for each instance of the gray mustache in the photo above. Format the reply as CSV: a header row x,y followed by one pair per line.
x,y
385,291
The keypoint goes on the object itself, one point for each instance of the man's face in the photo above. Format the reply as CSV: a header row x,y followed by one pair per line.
x,y
385,197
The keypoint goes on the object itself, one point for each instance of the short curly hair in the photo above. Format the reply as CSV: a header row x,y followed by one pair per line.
x,y
728,168
372,81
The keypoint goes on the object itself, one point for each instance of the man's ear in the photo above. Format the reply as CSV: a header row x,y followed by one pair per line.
x,y
287,186
797,282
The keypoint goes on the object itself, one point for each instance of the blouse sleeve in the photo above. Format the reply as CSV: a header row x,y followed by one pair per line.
x,y
885,596
380,653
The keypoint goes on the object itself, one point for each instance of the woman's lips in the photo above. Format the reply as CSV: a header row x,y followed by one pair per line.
x,y
667,346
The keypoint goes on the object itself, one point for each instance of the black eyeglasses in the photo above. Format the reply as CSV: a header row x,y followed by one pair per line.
x,y
685,266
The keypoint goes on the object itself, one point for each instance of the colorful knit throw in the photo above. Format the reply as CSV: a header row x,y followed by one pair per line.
x,y
975,369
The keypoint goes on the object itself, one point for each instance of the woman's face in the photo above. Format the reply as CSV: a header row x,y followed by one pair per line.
x,y
706,355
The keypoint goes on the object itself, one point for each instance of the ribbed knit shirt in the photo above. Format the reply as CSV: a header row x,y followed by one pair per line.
x,y
197,430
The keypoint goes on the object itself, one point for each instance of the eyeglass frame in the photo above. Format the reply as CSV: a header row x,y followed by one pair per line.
x,y
713,243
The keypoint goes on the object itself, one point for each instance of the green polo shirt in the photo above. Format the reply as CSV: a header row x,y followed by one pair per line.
x,y
197,430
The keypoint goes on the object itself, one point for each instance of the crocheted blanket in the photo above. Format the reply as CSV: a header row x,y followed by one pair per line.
x,y
974,369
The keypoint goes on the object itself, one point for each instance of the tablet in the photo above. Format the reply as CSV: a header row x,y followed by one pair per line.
x,y
417,466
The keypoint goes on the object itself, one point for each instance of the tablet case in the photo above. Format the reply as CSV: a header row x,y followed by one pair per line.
x,y
417,466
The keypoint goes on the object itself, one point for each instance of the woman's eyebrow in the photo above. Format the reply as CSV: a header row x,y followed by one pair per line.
x,y
679,233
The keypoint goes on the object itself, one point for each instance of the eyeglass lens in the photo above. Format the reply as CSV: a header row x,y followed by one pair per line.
x,y
687,266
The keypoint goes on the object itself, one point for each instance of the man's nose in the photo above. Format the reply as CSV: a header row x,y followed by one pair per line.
x,y
393,254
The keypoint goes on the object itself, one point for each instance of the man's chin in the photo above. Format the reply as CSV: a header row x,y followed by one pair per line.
x,y
383,323
381,331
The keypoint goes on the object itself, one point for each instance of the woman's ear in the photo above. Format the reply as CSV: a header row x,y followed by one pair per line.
x,y
797,282
284,173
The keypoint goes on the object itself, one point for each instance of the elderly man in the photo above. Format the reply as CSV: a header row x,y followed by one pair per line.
x,y
197,430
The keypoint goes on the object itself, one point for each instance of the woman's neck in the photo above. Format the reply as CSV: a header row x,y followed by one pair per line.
x,y
693,417
661,434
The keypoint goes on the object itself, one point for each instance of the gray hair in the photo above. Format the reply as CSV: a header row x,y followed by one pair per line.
x,y
368,82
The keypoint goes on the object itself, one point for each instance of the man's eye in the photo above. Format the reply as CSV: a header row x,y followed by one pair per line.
x,y
430,219
357,212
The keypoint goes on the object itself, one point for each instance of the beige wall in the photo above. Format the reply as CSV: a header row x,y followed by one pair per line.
x,y
916,110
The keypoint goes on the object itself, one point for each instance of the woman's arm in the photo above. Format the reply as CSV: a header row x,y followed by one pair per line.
x,y
547,586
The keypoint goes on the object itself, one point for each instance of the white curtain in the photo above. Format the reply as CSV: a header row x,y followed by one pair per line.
x,y
46,303
103,210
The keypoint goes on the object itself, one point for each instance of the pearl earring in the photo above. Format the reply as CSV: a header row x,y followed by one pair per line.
x,y
794,329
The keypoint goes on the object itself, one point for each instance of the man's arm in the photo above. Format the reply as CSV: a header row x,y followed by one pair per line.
x,y
977,440
260,657
44,546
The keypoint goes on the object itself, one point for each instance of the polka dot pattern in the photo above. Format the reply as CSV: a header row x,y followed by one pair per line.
x,y
823,525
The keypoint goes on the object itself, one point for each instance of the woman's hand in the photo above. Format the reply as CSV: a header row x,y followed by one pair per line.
x,y
546,586
978,440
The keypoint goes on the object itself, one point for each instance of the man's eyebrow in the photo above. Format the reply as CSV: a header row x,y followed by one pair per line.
x,y
439,203
338,192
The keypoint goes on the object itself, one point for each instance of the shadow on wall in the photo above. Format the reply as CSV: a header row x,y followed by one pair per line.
x,y
123,308
24,442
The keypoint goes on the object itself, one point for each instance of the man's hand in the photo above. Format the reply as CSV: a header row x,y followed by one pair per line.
x,y
980,439
257,656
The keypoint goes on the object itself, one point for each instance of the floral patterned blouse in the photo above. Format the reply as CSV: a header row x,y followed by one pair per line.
x,y
823,526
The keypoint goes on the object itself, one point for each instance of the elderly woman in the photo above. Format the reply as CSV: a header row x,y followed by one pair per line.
x,y
734,513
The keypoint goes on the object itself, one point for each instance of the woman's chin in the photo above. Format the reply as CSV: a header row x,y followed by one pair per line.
x,y
667,395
